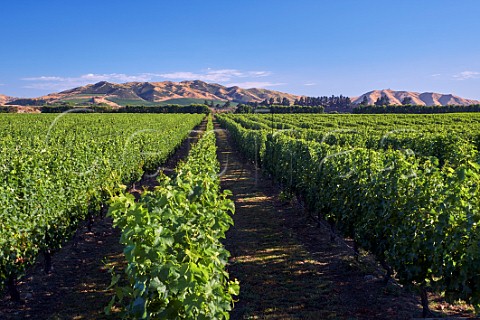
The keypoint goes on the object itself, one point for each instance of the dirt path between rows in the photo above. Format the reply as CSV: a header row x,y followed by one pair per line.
x,y
288,267
77,286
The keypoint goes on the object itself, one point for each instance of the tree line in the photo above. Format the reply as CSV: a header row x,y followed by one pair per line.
x,y
333,102
301,105
244,108
105,108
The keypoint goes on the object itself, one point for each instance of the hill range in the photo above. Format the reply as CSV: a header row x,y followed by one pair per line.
x,y
187,92
5,99
421,99
157,93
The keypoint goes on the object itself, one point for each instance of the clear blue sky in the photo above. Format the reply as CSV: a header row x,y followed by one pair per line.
x,y
311,47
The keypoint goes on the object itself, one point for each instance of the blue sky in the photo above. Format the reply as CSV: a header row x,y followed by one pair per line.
x,y
310,47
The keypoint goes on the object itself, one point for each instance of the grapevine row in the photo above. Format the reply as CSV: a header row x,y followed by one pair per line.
x,y
176,262
390,133
419,216
56,171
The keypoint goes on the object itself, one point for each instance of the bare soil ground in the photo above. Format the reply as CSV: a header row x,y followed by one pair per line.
x,y
289,268
77,286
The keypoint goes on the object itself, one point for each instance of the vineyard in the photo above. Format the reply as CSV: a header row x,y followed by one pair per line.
x,y
405,188
57,170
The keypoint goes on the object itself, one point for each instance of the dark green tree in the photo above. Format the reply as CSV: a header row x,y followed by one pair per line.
x,y
382,101
285,102
364,101
407,100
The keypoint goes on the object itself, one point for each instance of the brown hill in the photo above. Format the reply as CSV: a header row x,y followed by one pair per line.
x,y
5,99
99,100
156,92
163,91
421,99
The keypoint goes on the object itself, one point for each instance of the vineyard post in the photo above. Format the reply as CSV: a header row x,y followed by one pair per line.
x,y
12,289
272,121
256,160
426,312
47,254
271,151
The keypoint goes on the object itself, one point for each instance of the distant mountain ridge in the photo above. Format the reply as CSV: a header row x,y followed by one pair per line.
x,y
421,99
196,91
5,99
152,92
